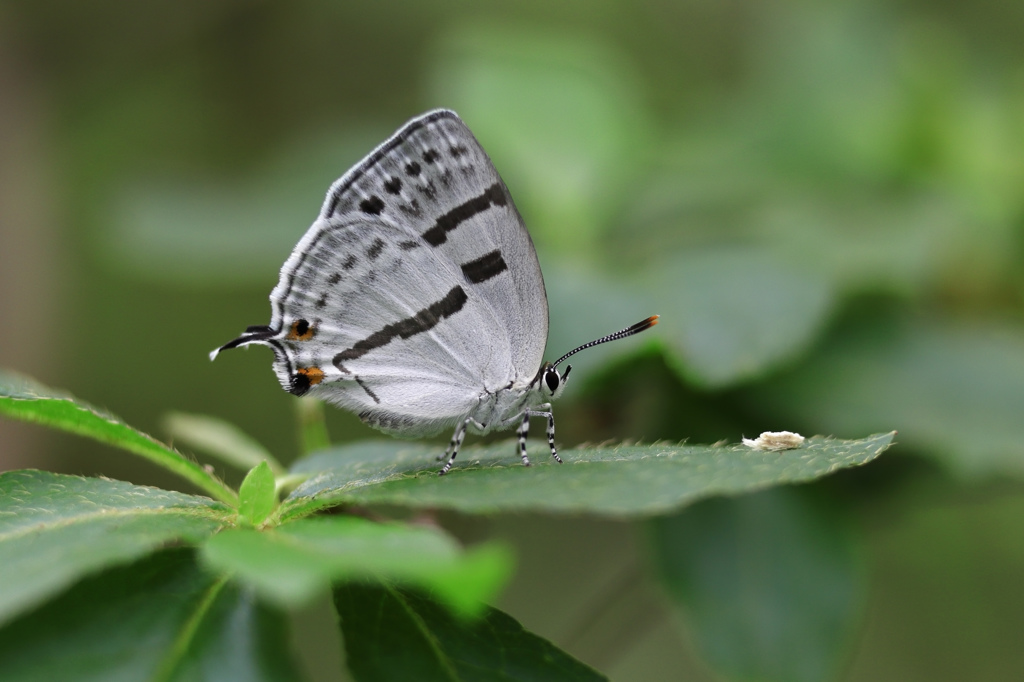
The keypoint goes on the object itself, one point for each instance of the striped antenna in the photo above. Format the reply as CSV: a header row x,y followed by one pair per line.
x,y
628,331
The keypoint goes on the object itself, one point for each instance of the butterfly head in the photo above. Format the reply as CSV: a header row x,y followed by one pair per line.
x,y
551,381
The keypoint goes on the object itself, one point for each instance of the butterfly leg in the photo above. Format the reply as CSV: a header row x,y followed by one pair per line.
x,y
544,412
453,447
524,428
460,433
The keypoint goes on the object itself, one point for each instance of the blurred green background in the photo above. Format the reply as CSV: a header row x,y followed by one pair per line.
x,y
823,200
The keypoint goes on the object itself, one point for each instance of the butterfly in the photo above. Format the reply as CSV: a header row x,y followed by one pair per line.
x,y
416,299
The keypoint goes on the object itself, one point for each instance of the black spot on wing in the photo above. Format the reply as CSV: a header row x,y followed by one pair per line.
x,y
411,209
336,277
457,151
483,268
393,185
349,263
431,155
300,384
371,206
339,197
429,190
492,196
375,248
408,245
424,320
322,301
301,330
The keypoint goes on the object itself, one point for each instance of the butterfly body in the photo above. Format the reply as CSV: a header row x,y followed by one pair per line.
x,y
416,299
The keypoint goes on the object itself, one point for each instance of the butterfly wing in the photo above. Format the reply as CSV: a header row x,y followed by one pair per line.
x,y
434,177
416,291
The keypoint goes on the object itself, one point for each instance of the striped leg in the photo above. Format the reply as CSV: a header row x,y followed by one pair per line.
x,y
551,437
545,412
524,428
453,447
460,433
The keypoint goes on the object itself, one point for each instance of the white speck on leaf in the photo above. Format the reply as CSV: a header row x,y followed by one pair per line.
x,y
774,441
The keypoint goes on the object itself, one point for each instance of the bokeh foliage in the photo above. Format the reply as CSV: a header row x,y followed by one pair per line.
x,y
824,201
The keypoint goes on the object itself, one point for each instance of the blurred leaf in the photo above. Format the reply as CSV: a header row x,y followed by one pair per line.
x,y
826,93
23,398
619,481
733,315
955,390
220,439
946,602
54,529
876,99
237,638
397,635
257,495
158,619
219,231
770,585
708,193
868,148
293,562
562,116
861,241
713,195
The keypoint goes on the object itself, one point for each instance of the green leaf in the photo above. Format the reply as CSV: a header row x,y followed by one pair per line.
x,y
953,388
732,315
236,637
218,438
770,585
160,619
257,495
622,481
54,529
292,563
23,398
397,635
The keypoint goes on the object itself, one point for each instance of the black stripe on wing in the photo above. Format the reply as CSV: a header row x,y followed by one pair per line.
x,y
424,320
492,196
362,385
483,268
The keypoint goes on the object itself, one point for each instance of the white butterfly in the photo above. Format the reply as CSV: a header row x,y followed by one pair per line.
x,y
416,299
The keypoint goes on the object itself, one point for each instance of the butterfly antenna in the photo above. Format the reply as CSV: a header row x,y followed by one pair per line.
x,y
628,331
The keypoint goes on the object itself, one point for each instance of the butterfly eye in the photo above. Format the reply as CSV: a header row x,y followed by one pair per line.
x,y
551,379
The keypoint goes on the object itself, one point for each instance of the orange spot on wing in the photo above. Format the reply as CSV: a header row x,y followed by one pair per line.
x,y
301,330
314,374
